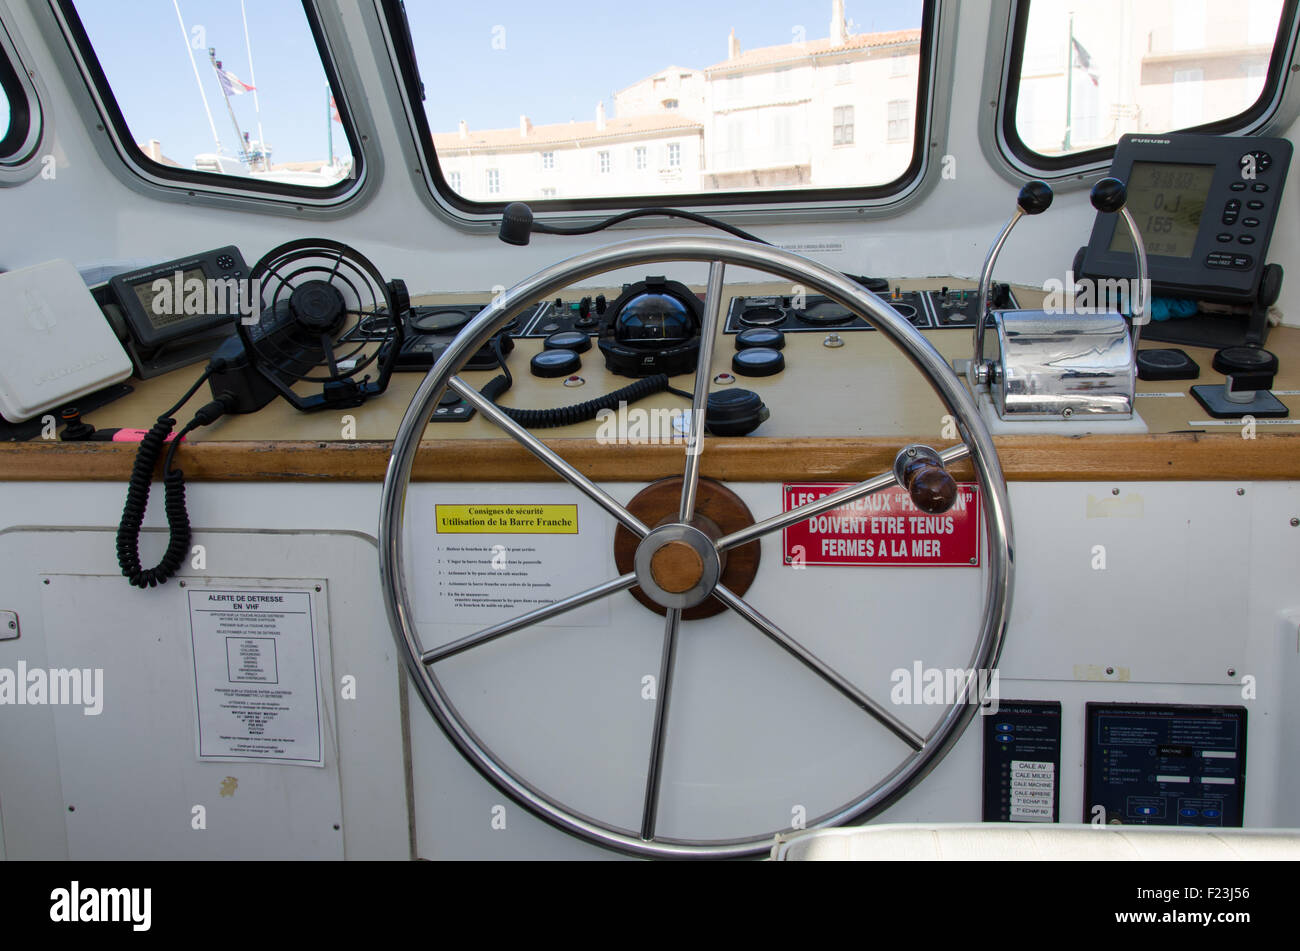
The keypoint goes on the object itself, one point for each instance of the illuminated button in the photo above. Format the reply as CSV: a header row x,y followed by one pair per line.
x,y
1210,813
1004,737
1187,812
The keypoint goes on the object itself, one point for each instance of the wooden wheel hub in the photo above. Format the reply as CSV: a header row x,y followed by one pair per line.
x,y
677,567
676,564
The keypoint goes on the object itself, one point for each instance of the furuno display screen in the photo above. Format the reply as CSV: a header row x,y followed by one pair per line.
x,y
1205,206
1165,764
1168,203
162,316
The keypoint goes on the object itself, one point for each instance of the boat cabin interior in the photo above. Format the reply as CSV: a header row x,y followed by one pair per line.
x,y
829,429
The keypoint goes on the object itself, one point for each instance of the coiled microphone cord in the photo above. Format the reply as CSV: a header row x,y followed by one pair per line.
x,y
137,495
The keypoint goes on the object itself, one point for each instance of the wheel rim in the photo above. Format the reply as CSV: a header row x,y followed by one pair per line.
x,y
977,445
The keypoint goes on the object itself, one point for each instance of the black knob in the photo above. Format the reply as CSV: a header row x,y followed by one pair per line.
x,y
1035,198
516,224
75,430
1247,368
601,304
1109,195
584,307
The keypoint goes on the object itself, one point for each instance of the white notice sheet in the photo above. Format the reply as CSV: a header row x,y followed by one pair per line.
x,y
255,676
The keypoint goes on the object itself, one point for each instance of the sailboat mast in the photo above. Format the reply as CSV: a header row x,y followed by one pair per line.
x,y
189,48
239,133
329,120
252,78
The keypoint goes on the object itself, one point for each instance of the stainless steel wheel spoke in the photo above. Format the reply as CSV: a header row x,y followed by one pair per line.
x,y
663,687
703,377
827,503
546,455
819,667
524,620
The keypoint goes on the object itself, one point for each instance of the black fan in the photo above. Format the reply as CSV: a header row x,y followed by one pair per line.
x,y
314,294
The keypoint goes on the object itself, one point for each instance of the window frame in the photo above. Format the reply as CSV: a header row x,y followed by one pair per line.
x,y
100,107
845,130
1016,159
28,128
933,104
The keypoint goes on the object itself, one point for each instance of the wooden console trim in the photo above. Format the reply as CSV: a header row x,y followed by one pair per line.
x,y
1185,457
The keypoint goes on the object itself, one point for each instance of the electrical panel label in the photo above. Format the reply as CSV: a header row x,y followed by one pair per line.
x,y
255,676
883,528
1165,764
1022,762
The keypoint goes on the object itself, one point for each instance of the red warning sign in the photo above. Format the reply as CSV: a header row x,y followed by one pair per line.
x,y
883,528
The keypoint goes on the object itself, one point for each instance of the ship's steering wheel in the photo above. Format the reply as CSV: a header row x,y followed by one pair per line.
x,y
682,556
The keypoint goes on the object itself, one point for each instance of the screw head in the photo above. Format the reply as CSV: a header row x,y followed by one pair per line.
x,y
1295,523
1067,412
1110,671
1241,491
1114,491
1232,671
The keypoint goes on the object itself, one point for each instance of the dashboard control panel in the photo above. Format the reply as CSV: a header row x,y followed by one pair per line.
x,y
1165,764
1022,762
927,309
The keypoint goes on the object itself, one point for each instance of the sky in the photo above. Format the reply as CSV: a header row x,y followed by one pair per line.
x,y
486,63
4,114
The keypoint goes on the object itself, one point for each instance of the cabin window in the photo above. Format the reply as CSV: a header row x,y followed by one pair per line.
x,y
4,113
209,89
729,121
604,163
548,161
19,117
1083,75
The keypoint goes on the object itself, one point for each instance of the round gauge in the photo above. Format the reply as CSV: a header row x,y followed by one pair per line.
x,y
439,321
826,312
554,363
568,340
907,311
765,316
767,337
760,361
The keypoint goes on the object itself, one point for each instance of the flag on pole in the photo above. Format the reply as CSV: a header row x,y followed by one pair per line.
x,y
334,111
232,84
1082,60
